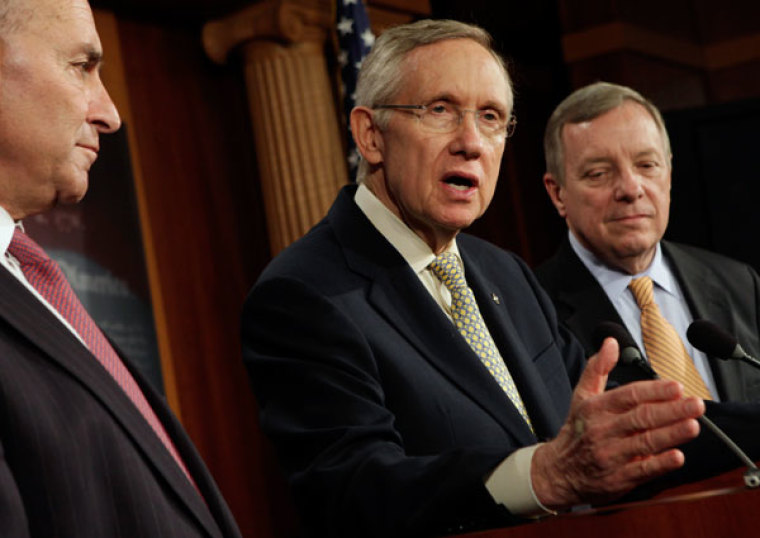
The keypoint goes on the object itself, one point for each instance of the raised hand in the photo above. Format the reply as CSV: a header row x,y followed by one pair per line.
x,y
616,440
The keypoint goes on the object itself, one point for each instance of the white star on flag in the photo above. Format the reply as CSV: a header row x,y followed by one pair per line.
x,y
355,39
368,38
345,26
343,58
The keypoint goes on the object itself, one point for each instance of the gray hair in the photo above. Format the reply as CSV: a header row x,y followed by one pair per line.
x,y
586,104
380,76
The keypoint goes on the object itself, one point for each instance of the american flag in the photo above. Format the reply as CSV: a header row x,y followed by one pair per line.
x,y
355,39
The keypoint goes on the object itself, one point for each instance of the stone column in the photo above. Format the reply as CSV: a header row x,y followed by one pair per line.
x,y
298,145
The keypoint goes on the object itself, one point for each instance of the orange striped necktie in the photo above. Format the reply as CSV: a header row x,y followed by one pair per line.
x,y
665,349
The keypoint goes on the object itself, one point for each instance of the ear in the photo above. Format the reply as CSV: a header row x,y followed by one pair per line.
x,y
556,193
367,136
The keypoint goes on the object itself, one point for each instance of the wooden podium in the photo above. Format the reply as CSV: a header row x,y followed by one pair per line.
x,y
719,507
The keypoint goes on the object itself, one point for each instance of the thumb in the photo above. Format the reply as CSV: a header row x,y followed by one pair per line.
x,y
594,378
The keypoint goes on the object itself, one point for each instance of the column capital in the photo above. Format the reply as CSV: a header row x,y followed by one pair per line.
x,y
284,21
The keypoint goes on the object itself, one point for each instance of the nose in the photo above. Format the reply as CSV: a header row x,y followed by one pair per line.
x,y
467,138
103,113
628,186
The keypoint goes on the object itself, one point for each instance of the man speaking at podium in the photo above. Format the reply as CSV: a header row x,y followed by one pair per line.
x,y
413,378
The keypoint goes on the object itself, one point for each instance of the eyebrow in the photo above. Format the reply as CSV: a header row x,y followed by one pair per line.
x,y
595,160
450,98
93,53
94,57
651,152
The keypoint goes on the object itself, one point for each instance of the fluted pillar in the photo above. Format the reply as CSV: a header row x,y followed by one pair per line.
x,y
298,146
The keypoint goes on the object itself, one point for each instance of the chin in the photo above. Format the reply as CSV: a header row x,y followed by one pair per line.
x,y
459,221
69,198
635,249
74,191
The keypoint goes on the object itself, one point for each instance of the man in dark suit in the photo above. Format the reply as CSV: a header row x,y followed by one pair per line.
x,y
401,399
88,448
608,174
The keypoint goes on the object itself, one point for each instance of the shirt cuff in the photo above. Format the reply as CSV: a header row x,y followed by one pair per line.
x,y
510,485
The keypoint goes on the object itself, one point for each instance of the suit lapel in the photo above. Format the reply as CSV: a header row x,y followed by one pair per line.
x,y
38,325
708,301
582,304
393,288
519,361
705,299
581,301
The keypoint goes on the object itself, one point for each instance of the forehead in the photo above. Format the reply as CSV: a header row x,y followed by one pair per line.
x,y
72,17
459,69
628,128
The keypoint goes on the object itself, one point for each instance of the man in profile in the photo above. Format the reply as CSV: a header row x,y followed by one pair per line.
x,y
413,378
88,448
608,164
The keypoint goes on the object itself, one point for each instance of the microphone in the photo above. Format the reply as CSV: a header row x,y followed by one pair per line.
x,y
710,339
631,355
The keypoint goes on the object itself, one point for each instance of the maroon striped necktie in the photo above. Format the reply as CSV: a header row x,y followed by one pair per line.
x,y
47,278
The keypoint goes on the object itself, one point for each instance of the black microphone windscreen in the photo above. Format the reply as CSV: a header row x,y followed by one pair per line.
x,y
607,329
711,339
630,354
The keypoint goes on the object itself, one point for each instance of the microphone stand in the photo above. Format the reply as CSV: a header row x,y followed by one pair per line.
x,y
752,474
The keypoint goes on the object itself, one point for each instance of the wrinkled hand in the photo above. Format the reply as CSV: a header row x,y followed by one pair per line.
x,y
616,440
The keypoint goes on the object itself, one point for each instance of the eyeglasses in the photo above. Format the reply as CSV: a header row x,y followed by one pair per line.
x,y
446,118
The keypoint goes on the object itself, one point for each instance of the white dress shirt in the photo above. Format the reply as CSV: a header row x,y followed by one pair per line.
x,y
667,295
7,228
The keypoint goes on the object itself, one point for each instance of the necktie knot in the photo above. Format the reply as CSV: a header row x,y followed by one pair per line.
x,y
643,290
25,250
447,268
44,274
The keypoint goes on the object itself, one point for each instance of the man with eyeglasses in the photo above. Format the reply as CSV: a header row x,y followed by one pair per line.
x,y
413,378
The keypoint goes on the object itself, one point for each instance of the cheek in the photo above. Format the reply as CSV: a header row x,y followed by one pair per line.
x,y
660,199
587,209
584,202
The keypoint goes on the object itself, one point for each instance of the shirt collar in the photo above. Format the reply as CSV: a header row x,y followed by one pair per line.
x,y
614,281
7,227
412,248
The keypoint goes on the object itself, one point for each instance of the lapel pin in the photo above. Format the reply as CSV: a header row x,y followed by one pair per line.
x,y
495,298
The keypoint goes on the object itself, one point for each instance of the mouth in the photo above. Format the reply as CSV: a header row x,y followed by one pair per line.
x,y
92,147
460,183
631,218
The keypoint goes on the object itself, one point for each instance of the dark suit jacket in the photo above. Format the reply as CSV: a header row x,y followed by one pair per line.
x,y
76,457
383,417
716,288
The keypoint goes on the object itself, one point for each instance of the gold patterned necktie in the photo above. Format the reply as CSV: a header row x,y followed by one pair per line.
x,y
469,322
665,349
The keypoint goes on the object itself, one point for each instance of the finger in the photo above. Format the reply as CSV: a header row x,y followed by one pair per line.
x,y
614,430
651,416
593,380
621,450
643,470
623,478
632,395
